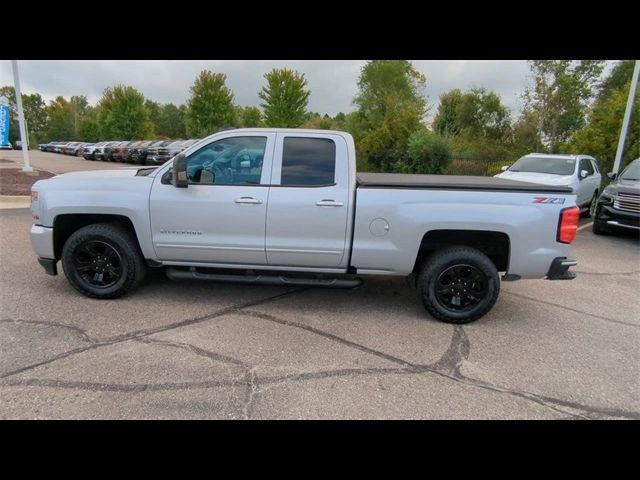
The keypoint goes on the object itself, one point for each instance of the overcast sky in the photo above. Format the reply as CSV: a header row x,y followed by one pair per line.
x,y
332,82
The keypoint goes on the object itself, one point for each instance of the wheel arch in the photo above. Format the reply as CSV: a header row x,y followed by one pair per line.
x,y
495,244
64,225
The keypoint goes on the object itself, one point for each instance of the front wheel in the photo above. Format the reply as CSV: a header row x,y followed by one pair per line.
x,y
591,212
458,284
102,260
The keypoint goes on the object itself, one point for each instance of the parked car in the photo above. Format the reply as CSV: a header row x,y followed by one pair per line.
x,y
579,172
128,151
109,150
59,146
17,145
619,205
89,150
43,147
139,153
286,207
153,152
77,149
169,151
66,148
100,152
118,151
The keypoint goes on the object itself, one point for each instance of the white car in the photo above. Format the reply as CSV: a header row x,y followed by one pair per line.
x,y
580,172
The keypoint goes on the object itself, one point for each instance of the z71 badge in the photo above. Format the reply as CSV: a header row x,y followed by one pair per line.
x,y
557,200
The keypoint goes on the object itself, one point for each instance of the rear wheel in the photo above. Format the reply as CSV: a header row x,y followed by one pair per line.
x,y
102,261
458,284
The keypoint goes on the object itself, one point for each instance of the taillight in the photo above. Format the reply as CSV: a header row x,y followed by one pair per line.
x,y
568,224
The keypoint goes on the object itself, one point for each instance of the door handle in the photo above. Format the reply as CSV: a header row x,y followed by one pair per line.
x,y
329,203
248,200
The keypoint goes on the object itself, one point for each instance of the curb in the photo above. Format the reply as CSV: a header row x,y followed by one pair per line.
x,y
15,201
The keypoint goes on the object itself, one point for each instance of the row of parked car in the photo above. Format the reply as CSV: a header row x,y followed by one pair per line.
x,y
141,152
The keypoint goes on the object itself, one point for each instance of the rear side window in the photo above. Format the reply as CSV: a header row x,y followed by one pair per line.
x,y
308,161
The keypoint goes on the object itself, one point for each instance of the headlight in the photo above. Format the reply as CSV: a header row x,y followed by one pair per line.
x,y
609,192
34,196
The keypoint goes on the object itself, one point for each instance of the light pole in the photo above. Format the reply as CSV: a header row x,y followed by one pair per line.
x,y
627,117
26,167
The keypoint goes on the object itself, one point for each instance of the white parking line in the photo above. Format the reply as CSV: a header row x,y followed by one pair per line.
x,y
585,226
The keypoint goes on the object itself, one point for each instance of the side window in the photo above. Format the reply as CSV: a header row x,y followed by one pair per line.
x,y
595,166
230,161
308,161
585,164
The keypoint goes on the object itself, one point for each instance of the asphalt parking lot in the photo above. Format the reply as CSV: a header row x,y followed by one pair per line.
x,y
556,350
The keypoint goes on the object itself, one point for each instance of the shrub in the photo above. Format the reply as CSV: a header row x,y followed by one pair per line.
x,y
427,152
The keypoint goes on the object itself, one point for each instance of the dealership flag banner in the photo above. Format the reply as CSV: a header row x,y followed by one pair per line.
x,y
4,125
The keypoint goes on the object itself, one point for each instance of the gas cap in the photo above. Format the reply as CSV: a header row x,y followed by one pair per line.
x,y
379,227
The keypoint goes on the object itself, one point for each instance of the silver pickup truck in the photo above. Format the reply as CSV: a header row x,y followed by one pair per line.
x,y
286,206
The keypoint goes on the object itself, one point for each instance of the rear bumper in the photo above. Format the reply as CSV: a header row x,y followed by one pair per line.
x,y
559,269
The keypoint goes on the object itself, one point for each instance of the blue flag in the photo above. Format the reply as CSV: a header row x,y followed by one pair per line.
x,y
5,117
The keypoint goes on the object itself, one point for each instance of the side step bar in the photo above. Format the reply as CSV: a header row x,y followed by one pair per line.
x,y
194,274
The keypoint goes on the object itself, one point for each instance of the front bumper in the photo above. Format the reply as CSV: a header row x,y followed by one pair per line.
x,y
49,265
559,269
42,241
617,218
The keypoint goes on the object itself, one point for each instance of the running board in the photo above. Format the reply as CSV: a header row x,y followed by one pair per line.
x,y
193,274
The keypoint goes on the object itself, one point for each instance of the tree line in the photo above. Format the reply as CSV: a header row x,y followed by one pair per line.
x,y
568,108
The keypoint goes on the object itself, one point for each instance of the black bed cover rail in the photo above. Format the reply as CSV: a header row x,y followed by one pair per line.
x,y
452,182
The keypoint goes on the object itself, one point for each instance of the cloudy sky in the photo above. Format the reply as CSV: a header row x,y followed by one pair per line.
x,y
332,82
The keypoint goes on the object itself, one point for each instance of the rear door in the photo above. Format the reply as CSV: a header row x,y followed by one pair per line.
x,y
308,203
586,186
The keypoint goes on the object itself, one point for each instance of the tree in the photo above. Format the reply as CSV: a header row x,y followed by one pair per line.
x,y
600,136
559,96
525,137
477,113
79,106
89,130
427,153
210,106
285,98
153,110
123,115
61,122
170,122
250,117
619,76
391,106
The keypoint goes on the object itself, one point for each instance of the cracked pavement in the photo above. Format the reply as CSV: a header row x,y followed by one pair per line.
x,y
548,350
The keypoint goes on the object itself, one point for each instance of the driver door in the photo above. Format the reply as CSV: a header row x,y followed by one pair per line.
x,y
220,217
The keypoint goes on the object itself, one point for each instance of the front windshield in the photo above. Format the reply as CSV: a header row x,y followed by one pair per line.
x,y
552,165
632,172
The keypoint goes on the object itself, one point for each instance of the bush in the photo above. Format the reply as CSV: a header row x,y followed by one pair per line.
x,y
427,152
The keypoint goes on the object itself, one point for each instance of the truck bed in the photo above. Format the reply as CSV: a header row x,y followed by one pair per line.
x,y
452,182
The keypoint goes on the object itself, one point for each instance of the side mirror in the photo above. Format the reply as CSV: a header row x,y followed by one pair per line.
x,y
583,174
612,175
180,179
504,168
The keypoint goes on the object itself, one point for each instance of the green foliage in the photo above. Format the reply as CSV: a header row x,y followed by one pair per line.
x,y
619,76
427,152
476,113
321,122
210,106
89,130
61,121
170,122
285,98
559,96
122,114
599,137
391,107
250,117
